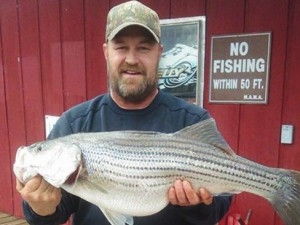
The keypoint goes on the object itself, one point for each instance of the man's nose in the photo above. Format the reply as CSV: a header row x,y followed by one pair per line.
x,y
132,58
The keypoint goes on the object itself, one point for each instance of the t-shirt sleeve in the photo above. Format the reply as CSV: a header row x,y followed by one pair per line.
x,y
63,211
61,128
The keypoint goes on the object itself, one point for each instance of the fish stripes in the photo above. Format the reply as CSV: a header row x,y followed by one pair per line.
x,y
164,155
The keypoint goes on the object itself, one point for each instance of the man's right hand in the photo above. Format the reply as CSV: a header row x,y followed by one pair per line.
x,y
41,196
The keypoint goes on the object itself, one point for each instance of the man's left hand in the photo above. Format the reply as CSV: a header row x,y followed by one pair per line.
x,y
183,194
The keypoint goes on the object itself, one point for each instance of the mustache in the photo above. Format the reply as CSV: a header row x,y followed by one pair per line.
x,y
135,69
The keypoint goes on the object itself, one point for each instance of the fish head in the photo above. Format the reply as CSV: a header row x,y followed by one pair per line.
x,y
55,160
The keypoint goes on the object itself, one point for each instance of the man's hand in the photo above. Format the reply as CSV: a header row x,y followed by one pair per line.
x,y
40,195
183,194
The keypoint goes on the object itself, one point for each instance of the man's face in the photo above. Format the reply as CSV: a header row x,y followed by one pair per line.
x,y
132,61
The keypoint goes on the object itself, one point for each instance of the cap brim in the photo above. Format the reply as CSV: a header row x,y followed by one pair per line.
x,y
124,25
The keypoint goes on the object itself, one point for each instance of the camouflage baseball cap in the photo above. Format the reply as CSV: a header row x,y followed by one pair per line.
x,y
132,13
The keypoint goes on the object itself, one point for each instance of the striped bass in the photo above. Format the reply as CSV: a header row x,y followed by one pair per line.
x,y
128,173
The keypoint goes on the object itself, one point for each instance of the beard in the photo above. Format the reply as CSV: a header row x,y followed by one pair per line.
x,y
133,89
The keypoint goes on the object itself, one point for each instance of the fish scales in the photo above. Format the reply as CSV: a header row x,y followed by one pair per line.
x,y
128,173
161,157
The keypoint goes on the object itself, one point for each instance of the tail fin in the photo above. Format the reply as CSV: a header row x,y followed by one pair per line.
x,y
287,200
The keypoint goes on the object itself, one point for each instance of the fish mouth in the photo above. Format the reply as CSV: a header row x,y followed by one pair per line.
x,y
73,176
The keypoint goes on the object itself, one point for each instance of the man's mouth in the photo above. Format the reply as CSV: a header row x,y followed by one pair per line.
x,y
131,71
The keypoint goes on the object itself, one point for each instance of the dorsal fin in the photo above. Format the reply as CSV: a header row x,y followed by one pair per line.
x,y
206,131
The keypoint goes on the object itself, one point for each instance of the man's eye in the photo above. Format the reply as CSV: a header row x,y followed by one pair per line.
x,y
144,49
121,48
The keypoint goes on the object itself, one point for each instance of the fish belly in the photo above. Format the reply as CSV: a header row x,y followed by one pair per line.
x,y
137,200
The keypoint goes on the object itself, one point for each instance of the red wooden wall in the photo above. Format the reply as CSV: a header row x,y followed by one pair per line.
x,y
51,59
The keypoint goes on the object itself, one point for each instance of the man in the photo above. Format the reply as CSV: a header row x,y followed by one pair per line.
x,y
132,51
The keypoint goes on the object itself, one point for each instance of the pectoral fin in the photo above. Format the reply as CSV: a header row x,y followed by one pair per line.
x,y
116,218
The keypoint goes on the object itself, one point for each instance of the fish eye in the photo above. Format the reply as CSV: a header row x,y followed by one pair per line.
x,y
39,148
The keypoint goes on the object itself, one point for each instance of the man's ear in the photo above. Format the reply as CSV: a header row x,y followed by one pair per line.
x,y
161,49
105,50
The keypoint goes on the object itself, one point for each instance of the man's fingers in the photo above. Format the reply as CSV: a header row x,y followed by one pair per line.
x,y
19,185
183,194
32,185
180,192
205,196
192,197
172,196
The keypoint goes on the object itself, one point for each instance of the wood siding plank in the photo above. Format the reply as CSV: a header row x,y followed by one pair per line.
x,y
51,57
73,51
289,155
95,23
260,124
14,97
5,179
31,70
188,8
223,17
31,79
